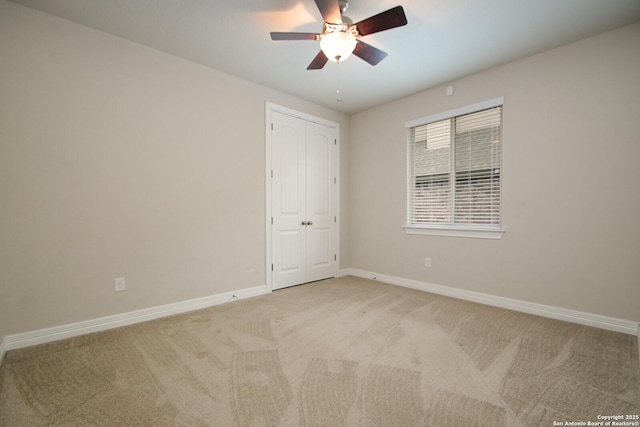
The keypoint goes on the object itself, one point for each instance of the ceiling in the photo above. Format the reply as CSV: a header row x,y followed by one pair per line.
x,y
443,41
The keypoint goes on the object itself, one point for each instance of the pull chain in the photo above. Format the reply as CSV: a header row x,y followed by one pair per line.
x,y
339,97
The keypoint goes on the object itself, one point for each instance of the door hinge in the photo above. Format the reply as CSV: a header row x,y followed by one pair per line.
x,y
335,219
271,220
271,267
335,180
271,126
335,257
271,173
335,142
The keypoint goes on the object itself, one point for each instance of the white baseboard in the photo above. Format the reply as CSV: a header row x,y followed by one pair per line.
x,y
595,320
41,336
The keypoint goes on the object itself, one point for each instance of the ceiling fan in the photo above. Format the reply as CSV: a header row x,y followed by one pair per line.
x,y
340,37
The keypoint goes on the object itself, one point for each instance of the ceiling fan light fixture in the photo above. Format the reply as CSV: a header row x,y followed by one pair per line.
x,y
337,46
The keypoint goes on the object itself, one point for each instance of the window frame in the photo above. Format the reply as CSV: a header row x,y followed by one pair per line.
x,y
454,230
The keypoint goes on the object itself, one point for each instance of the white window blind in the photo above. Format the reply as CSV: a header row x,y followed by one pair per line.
x,y
454,168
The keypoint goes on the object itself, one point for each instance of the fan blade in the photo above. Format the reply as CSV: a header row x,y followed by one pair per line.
x,y
330,11
294,36
370,54
386,20
318,62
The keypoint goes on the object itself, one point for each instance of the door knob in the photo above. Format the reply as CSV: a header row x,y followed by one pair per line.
x,y
305,223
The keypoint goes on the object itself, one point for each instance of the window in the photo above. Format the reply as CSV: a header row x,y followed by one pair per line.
x,y
454,172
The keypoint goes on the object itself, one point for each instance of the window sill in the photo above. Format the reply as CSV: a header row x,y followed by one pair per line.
x,y
449,231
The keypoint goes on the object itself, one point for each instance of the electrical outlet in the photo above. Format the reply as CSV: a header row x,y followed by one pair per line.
x,y
427,262
120,284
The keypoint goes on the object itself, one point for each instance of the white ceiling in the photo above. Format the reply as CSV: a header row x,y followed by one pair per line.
x,y
443,40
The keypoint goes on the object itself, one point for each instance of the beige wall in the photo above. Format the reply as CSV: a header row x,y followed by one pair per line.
x,y
571,182
119,160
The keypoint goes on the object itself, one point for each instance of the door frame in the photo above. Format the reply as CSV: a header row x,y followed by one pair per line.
x,y
269,109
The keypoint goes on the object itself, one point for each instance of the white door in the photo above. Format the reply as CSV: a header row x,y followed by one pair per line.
x,y
303,201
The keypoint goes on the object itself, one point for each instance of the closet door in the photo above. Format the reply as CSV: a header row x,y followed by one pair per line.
x,y
303,190
320,192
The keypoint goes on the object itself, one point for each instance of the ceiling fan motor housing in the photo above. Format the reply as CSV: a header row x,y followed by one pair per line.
x,y
344,5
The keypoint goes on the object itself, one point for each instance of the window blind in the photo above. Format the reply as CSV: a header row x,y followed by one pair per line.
x,y
454,174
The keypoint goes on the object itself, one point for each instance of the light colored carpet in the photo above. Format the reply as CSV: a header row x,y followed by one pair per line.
x,y
340,352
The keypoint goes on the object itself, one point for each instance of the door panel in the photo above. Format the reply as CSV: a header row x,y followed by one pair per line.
x,y
290,260
320,187
288,201
319,253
